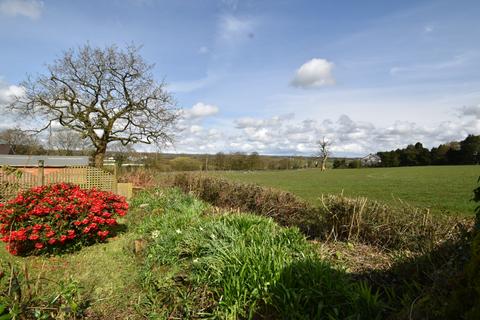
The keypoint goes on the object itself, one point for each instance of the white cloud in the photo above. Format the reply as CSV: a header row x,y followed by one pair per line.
x,y
196,129
232,28
9,92
472,111
283,135
201,110
28,8
314,74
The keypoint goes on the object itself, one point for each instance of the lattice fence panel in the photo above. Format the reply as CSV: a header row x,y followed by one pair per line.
x,y
85,177
12,181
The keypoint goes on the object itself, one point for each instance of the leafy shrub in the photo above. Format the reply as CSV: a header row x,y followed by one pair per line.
x,y
239,266
57,217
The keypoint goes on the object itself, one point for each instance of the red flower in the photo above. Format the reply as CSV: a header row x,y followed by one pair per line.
x,y
34,237
43,212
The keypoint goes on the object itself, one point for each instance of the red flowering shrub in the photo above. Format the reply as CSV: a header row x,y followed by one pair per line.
x,y
56,217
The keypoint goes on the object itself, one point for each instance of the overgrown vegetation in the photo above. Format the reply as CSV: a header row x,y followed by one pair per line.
x,y
338,217
180,257
233,266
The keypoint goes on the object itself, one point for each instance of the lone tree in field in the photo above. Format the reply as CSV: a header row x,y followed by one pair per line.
x,y
105,94
324,152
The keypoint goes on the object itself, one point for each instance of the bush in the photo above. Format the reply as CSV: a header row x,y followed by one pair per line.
x,y
57,217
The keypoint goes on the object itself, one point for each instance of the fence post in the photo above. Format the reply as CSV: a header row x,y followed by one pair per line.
x,y
115,179
41,172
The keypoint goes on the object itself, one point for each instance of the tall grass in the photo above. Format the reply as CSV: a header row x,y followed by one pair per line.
x,y
234,266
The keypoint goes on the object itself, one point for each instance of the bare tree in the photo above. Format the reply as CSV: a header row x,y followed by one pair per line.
x,y
324,152
105,94
66,142
20,141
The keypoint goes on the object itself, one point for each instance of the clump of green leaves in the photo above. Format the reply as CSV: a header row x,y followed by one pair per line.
x,y
23,296
234,266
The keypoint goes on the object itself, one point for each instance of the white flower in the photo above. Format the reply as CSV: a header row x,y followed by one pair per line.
x,y
178,231
155,234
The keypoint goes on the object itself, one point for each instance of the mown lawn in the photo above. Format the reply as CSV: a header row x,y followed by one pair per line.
x,y
440,188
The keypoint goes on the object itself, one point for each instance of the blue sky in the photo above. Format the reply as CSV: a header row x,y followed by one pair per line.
x,y
276,76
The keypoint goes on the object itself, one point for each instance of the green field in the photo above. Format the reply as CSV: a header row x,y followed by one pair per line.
x,y
440,188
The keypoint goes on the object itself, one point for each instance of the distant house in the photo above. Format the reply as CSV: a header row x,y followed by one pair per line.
x,y
371,160
5,149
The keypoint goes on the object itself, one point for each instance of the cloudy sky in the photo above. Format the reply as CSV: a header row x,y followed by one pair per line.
x,y
275,76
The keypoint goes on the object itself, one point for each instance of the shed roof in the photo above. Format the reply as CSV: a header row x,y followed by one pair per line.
x,y
50,161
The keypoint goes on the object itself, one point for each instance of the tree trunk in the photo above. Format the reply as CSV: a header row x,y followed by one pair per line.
x,y
99,155
324,164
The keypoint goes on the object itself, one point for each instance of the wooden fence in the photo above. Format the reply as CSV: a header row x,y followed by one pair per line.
x,y
13,180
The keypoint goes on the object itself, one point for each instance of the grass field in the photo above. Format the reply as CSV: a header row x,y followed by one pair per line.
x,y
440,188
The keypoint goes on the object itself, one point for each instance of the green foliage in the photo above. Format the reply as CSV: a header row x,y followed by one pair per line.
x,y
340,163
24,296
185,164
339,217
355,164
238,266
466,151
285,208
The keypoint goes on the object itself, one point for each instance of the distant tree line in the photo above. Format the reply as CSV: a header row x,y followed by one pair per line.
x,y
227,161
344,163
466,151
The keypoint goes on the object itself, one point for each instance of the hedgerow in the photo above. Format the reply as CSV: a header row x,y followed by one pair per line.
x,y
339,217
57,217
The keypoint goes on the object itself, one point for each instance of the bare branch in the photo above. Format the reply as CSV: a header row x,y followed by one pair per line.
x,y
102,88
